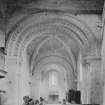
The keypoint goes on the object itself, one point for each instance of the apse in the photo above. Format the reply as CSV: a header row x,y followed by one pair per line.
x,y
52,79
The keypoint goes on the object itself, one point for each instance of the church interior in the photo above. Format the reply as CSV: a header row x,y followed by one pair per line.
x,y
54,50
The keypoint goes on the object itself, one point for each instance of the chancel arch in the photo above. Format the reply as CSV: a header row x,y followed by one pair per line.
x,y
47,70
53,46
44,39
40,22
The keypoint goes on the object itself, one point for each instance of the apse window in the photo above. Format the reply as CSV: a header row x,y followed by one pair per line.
x,y
53,80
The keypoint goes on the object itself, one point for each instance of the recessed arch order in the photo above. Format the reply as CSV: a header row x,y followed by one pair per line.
x,y
35,23
30,26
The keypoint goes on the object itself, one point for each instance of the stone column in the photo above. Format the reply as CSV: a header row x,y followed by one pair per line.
x,y
12,66
24,78
18,79
86,84
94,81
84,79
81,80
103,52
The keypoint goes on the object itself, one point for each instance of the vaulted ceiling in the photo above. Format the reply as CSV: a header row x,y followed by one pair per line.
x,y
64,41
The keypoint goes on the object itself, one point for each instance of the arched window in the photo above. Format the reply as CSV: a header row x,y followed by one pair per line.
x,y
53,79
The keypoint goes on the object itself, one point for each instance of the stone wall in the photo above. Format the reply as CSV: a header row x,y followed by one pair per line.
x,y
2,39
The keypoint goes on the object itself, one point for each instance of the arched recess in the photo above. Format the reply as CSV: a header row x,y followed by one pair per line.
x,y
24,30
32,26
49,67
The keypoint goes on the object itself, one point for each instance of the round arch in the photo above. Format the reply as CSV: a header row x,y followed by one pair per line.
x,y
29,27
26,28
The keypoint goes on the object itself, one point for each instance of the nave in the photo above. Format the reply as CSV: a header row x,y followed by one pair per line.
x,y
54,49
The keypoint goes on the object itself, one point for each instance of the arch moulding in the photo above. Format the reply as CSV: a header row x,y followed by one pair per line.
x,y
24,30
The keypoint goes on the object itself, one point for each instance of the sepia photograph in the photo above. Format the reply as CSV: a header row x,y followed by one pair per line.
x,y
52,52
